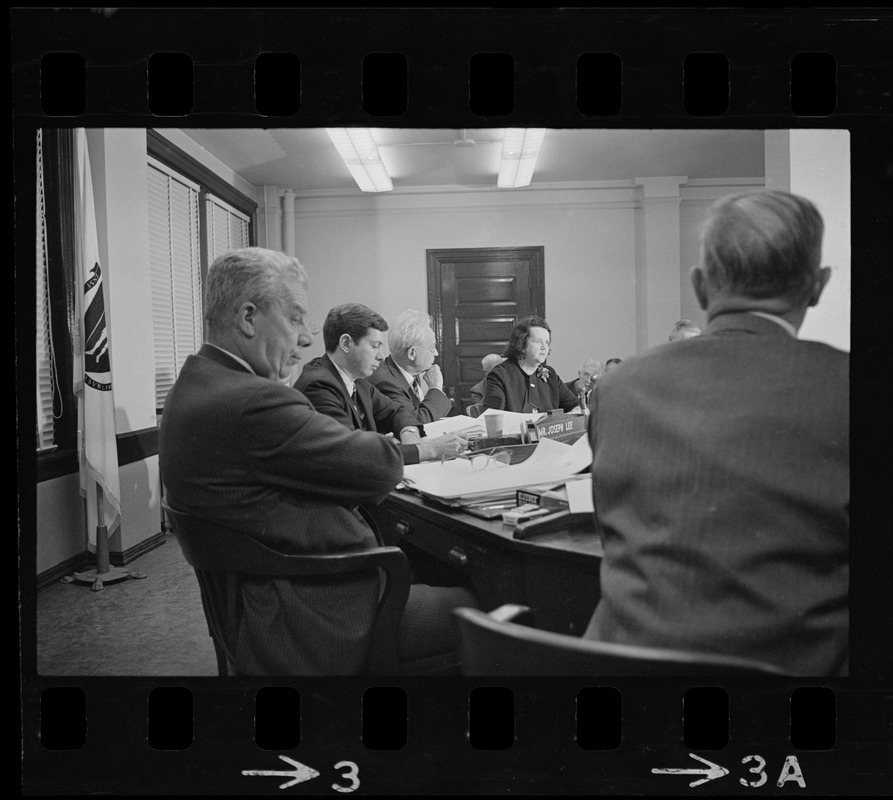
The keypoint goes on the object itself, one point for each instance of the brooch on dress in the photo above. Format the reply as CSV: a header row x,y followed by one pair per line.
x,y
543,372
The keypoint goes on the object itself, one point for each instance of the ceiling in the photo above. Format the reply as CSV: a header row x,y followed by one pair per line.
x,y
304,159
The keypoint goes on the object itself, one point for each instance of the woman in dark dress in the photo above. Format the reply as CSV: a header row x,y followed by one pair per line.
x,y
523,382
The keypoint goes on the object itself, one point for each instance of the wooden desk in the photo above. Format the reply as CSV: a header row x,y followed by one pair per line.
x,y
556,574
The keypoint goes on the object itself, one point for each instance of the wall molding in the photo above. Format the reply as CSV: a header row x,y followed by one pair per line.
x,y
168,153
87,560
137,445
132,447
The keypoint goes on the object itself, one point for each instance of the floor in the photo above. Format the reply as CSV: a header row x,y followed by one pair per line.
x,y
148,627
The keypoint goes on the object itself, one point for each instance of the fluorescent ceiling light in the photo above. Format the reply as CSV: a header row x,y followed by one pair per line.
x,y
360,154
520,149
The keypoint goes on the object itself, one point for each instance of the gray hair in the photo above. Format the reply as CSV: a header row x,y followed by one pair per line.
x,y
252,275
597,366
491,360
684,328
408,329
762,244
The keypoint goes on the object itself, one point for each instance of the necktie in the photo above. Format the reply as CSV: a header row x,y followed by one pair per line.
x,y
356,406
419,389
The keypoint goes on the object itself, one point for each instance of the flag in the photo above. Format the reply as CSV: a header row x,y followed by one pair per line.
x,y
97,447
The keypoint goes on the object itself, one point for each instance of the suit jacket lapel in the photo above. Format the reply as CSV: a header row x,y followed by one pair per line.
x,y
348,400
400,378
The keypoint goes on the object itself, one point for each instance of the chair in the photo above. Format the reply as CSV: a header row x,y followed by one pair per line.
x,y
221,556
496,644
475,410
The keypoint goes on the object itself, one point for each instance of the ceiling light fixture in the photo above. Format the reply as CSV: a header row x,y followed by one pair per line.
x,y
520,149
360,155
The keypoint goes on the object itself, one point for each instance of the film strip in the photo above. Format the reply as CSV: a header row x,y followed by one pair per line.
x,y
563,68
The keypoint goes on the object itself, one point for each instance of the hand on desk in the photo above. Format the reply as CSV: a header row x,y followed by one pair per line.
x,y
449,444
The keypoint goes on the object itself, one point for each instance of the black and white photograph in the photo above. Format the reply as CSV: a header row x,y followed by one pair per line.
x,y
452,401
569,255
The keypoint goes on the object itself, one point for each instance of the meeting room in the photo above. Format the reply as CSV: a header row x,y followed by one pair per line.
x,y
399,401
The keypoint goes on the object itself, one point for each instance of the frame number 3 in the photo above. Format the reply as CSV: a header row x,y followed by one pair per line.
x,y
351,773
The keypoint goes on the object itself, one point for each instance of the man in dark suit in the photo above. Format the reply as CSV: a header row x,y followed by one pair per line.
x,y
409,375
590,371
721,463
238,447
353,335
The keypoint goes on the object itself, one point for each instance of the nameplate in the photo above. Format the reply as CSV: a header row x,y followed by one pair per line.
x,y
564,426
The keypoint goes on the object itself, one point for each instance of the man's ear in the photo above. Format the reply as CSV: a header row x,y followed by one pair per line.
x,y
699,284
345,342
247,319
821,281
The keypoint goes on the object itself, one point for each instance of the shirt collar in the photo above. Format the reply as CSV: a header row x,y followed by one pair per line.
x,y
410,379
233,356
348,381
777,320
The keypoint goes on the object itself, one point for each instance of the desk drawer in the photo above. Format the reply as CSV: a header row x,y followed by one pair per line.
x,y
494,573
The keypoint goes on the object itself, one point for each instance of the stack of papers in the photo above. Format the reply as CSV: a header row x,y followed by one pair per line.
x,y
552,462
459,424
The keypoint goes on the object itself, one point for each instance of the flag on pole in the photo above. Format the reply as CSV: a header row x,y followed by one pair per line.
x,y
97,447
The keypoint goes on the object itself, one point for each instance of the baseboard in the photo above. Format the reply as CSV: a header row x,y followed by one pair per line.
x,y
53,575
86,560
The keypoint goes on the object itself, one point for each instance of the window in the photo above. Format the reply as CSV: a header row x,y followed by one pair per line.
x,y
45,377
57,325
175,257
194,216
227,228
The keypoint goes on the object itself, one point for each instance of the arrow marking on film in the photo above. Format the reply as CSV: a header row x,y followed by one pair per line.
x,y
299,774
712,771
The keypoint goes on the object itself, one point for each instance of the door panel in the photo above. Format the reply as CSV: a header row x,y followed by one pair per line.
x,y
475,296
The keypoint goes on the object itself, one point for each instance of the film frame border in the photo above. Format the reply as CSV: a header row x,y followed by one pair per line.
x,y
548,41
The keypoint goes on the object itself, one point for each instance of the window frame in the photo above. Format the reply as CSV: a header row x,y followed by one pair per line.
x,y
61,247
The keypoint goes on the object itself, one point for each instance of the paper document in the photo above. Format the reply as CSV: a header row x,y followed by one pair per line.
x,y
458,424
579,496
551,462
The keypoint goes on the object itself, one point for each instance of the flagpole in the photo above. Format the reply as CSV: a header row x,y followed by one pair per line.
x,y
104,572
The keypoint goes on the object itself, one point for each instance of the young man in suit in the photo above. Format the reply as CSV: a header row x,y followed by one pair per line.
x,y
239,447
409,375
721,463
353,335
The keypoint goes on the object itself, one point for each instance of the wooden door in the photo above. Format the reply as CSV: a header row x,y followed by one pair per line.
x,y
475,296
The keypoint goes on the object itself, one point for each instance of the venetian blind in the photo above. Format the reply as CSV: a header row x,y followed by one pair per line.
x,y
176,273
45,373
227,228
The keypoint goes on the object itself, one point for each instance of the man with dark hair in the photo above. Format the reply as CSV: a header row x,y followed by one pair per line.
x,y
721,467
409,375
239,448
335,383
